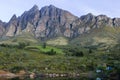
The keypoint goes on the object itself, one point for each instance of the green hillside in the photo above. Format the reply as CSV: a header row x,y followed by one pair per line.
x,y
104,37
24,37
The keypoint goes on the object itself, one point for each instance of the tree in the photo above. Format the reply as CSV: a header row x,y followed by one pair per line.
x,y
21,45
90,51
44,45
79,54
51,52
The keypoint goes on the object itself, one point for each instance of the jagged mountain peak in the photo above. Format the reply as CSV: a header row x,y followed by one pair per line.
x,y
49,6
48,9
55,13
14,17
90,14
34,8
50,22
52,6
101,15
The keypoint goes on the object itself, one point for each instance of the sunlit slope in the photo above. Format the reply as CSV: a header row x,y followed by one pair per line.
x,y
104,37
24,37
58,41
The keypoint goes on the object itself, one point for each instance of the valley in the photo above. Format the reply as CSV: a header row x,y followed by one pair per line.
x,y
54,41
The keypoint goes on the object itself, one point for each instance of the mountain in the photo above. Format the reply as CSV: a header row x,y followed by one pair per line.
x,y
50,23
47,22
97,30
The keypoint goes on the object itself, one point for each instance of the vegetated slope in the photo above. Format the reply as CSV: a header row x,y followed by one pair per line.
x,y
15,60
104,37
58,41
24,38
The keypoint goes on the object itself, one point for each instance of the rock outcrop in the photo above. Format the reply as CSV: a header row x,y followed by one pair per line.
x,y
12,26
2,28
50,22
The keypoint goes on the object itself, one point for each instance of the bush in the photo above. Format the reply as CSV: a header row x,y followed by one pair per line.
x,y
16,69
90,51
79,54
74,52
44,45
22,45
51,52
8,45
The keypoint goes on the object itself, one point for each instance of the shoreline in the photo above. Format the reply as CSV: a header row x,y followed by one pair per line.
x,y
46,75
32,75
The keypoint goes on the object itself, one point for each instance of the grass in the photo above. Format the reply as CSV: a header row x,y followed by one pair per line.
x,y
32,60
24,37
58,41
48,48
37,61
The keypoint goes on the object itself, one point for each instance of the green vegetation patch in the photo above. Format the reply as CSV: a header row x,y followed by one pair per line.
x,y
46,49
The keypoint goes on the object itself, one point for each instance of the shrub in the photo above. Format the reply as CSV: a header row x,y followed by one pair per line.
x,y
78,54
90,51
44,45
51,52
23,44
74,52
16,69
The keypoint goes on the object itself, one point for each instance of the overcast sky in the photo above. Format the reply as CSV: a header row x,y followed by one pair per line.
x,y
110,8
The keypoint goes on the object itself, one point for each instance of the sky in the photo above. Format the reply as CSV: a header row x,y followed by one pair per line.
x,y
111,8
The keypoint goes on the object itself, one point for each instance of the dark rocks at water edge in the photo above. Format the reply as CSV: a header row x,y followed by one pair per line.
x,y
58,75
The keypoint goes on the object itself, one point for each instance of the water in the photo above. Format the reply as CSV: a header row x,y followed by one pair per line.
x,y
43,78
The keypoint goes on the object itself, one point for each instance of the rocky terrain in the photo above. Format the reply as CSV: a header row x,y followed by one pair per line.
x,y
50,22
76,44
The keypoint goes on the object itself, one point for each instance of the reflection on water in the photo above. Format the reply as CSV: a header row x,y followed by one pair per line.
x,y
41,78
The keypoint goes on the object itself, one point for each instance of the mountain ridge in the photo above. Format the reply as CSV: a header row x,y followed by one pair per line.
x,y
51,22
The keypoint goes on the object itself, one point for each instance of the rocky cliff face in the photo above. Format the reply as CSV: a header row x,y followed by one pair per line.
x,y
89,22
2,28
54,22
49,22
12,26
